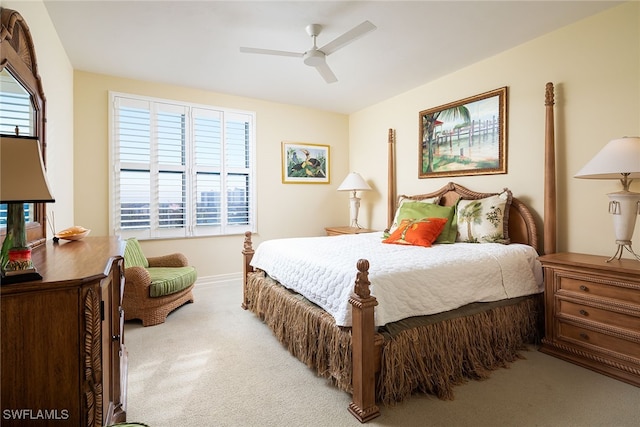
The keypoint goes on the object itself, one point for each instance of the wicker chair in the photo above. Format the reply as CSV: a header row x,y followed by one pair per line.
x,y
155,286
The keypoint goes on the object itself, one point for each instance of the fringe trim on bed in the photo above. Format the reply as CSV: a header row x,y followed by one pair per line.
x,y
308,332
430,359
434,358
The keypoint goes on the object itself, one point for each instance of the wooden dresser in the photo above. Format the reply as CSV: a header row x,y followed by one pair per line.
x,y
592,313
64,362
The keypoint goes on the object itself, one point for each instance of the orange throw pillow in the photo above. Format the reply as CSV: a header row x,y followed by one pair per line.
x,y
420,232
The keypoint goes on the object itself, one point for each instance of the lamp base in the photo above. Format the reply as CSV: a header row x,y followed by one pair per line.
x,y
19,267
622,245
30,276
354,206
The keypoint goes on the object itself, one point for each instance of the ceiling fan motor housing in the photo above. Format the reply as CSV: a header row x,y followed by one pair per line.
x,y
314,57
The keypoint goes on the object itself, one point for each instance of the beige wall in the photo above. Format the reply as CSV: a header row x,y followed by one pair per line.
x,y
284,210
57,81
595,66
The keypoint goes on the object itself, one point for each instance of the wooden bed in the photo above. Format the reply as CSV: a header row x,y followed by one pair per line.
x,y
388,364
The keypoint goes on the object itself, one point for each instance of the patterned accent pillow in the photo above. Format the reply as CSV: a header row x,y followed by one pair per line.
x,y
401,201
419,232
484,220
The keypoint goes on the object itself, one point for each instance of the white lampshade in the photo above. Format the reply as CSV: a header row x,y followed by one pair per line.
x,y
354,182
22,177
619,156
619,159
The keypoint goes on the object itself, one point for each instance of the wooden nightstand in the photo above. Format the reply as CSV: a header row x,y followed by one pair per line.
x,y
592,313
335,231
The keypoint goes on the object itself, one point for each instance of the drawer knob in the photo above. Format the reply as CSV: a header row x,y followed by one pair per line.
x,y
584,288
584,312
584,336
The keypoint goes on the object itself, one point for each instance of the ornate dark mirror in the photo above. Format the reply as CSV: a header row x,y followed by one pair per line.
x,y
22,106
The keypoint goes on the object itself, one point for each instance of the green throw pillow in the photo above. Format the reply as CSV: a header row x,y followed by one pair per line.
x,y
417,210
401,201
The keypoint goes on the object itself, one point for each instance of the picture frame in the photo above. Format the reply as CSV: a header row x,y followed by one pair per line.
x,y
465,137
304,163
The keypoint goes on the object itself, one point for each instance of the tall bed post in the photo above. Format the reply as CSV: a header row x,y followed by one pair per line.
x,y
363,376
391,179
247,254
549,174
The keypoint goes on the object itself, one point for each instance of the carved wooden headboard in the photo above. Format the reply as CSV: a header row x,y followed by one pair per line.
x,y
521,223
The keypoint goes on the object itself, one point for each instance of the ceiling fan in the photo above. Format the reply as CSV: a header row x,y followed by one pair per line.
x,y
316,57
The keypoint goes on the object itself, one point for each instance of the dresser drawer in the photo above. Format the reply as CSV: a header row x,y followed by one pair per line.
x,y
600,315
592,313
567,331
607,289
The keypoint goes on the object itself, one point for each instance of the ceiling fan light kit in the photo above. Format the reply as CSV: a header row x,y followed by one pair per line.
x,y
316,57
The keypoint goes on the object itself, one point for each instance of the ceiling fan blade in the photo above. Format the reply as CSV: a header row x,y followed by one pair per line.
x,y
348,37
326,73
270,52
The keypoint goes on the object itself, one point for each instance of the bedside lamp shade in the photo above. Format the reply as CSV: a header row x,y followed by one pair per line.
x,y
354,183
619,159
22,180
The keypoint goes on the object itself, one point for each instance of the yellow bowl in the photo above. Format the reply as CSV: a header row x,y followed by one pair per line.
x,y
73,233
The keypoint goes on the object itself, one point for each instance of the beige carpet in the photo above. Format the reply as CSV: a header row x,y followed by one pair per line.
x,y
213,364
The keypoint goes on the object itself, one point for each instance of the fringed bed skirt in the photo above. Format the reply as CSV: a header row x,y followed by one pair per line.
x,y
430,358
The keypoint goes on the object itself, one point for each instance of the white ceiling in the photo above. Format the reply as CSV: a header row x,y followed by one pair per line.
x,y
196,43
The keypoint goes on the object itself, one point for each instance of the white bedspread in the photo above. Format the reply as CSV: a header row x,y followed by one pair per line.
x,y
406,280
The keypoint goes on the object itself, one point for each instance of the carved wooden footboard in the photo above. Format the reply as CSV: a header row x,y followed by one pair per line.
x,y
365,342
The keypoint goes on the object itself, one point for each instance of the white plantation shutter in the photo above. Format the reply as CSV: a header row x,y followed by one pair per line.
x,y
208,138
238,168
16,110
180,170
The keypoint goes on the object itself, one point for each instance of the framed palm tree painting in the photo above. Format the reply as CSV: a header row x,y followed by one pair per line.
x,y
466,137
304,163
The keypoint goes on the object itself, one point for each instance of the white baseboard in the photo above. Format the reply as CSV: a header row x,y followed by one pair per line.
x,y
219,279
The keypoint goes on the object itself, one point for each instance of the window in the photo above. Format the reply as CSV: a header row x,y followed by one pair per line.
x,y
180,170
16,110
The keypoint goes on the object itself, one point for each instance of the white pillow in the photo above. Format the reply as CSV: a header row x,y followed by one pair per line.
x,y
484,220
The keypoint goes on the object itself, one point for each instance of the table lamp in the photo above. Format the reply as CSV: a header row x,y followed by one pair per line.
x,y
354,182
22,180
619,159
